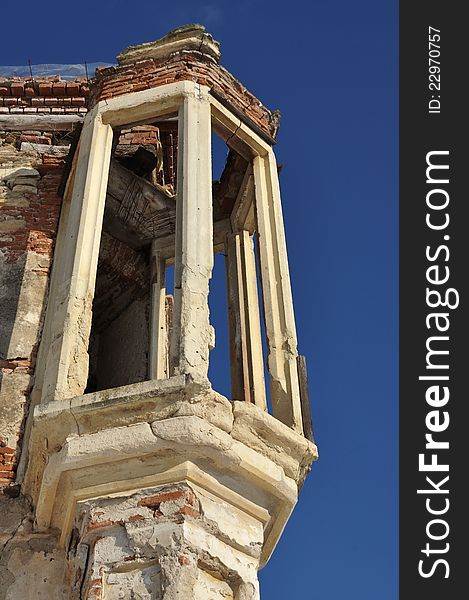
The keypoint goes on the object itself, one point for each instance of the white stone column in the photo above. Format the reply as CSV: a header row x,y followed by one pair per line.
x,y
192,333
68,320
158,334
247,365
278,303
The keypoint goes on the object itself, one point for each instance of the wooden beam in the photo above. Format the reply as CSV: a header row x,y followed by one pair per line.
x,y
277,296
243,214
304,397
236,325
50,122
247,364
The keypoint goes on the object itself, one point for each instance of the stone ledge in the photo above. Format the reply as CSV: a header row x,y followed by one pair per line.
x,y
126,459
186,38
153,432
146,401
178,396
265,434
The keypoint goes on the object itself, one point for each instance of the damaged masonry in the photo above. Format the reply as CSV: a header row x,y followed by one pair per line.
x,y
124,473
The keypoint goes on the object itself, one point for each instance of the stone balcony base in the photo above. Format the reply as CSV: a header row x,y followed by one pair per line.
x,y
115,447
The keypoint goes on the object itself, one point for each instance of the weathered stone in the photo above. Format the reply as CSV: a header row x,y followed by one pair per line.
x,y
26,181
24,189
32,570
135,544
273,439
23,287
16,164
14,388
45,149
189,37
12,224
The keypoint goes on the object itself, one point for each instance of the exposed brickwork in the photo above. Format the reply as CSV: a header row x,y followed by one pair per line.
x,y
121,535
172,503
190,66
7,464
164,140
38,219
142,134
29,211
44,95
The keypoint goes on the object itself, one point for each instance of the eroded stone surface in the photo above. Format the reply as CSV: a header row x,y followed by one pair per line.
x,y
186,38
159,543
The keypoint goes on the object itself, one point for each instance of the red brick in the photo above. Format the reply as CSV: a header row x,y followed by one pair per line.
x,y
17,89
78,101
188,510
59,88
73,88
45,89
156,500
7,467
134,518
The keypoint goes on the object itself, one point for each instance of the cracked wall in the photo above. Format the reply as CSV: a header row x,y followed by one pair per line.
x,y
162,543
29,210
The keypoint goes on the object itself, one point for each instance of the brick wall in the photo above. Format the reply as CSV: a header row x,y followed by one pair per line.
x,y
192,66
44,95
29,211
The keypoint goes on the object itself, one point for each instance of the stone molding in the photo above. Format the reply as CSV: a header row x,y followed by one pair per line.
x,y
186,38
161,432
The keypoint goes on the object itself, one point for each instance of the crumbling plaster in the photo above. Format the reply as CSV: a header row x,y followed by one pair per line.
x,y
153,427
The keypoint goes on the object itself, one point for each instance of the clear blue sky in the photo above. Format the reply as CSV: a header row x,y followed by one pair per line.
x,y
331,67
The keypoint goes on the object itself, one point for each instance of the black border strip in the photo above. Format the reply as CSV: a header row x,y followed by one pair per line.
x,y
430,253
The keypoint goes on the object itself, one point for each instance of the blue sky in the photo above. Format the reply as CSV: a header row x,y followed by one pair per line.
x,y
331,68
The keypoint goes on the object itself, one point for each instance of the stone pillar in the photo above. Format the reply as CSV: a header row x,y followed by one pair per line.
x,y
246,360
192,333
68,322
278,303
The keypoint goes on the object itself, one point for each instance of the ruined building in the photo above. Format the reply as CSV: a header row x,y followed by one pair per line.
x,y
124,474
